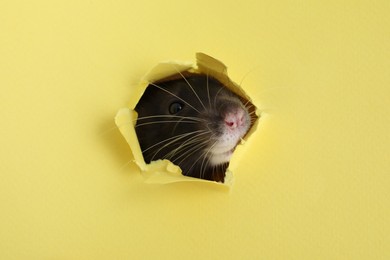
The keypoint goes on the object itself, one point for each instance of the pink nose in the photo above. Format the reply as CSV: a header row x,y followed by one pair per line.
x,y
235,119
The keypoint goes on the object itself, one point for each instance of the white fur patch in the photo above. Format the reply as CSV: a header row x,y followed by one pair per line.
x,y
223,149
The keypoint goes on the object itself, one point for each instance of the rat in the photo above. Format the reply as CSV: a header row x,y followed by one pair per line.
x,y
194,121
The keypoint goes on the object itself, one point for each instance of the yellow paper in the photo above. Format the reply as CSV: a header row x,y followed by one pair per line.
x,y
311,183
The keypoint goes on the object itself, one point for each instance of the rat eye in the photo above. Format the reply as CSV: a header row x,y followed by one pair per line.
x,y
175,107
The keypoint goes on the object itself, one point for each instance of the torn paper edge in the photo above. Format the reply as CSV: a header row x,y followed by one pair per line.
x,y
164,171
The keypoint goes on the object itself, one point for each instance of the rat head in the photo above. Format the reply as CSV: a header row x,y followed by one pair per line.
x,y
194,121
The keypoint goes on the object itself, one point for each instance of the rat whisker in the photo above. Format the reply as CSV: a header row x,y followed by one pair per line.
x,y
252,113
162,122
187,150
248,73
208,89
200,142
125,165
200,157
161,148
155,85
203,169
248,104
174,128
216,95
193,150
193,140
196,119
171,116
177,137
190,141
188,83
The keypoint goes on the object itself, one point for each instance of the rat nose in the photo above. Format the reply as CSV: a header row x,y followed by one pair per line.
x,y
235,119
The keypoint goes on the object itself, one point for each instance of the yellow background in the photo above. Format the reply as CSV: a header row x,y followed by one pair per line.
x,y
315,179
